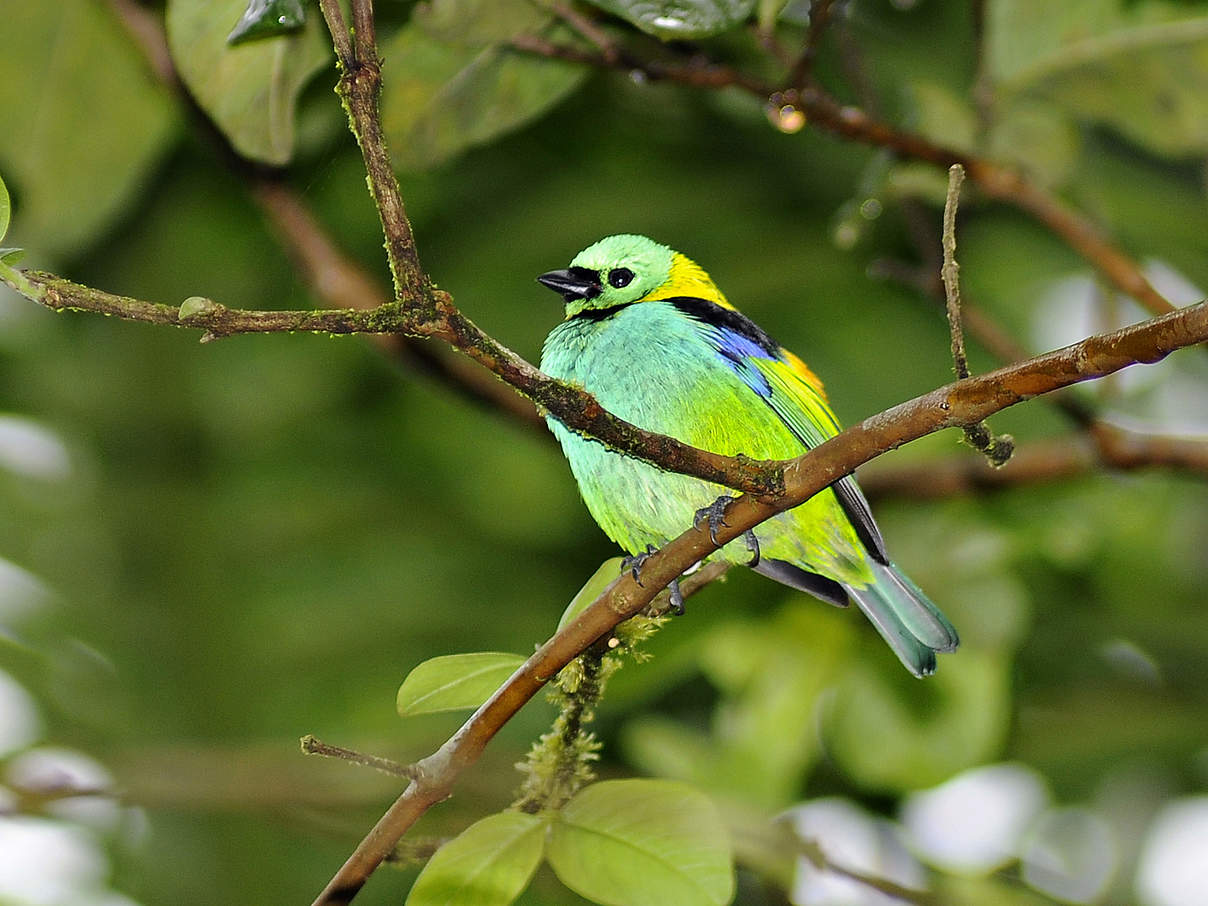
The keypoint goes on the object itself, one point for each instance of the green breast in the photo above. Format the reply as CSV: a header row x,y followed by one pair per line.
x,y
655,367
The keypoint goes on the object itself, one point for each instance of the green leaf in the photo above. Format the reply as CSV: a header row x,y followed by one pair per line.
x,y
250,91
439,99
11,256
592,589
1140,67
454,681
477,23
266,18
680,19
642,843
81,123
488,864
6,208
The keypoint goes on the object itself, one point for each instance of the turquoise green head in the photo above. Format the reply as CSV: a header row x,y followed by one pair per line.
x,y
617,270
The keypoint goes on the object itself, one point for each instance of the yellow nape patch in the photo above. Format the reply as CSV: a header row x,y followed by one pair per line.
x,y
689,279
802,371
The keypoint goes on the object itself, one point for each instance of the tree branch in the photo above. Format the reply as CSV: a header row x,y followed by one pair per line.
x,y
313,746
997,448
995,180
802,69
954,405
338,280
360,89
1102,446
577,409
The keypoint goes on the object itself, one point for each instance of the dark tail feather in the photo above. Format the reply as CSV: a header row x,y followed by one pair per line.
x,y
913,626
820,587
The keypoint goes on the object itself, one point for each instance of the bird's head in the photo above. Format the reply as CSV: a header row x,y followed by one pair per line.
x,y
620,270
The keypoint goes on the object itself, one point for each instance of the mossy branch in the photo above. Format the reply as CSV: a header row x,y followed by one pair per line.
x,y
571,405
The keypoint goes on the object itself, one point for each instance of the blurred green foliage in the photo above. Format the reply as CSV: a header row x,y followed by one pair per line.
x,y
235,544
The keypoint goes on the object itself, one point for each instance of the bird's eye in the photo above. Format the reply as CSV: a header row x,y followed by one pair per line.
x,y
620,276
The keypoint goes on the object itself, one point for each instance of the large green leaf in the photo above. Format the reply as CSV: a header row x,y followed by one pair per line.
x,y
440,99
1140,67
251,90
487,864
642,843
81,122
454,681
680,19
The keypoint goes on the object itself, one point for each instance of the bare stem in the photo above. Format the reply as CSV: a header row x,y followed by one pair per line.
x,y
312,746
1103,445
360,89
997,448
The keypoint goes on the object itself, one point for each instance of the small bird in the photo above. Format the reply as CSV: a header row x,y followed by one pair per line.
x,y
653,339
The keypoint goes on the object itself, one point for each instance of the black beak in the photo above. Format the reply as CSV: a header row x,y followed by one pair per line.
x,y
573,283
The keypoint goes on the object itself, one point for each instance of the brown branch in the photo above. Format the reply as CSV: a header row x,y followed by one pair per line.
x,y
1038,463
995,180
313,746
360,89
998,182
997,448
577,409
338,280
955,405
342,283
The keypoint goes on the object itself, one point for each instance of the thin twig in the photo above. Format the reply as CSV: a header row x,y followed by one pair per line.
x,y
312,746
1040,462
995,180
802,69
954,405
950,272
997,448
360,88
340,37
343,283
333,275
587,27
817,857
575,408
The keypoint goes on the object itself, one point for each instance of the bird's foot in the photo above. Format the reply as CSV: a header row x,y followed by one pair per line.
x,y
715,514
752,546
677,598
634,563
634,566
